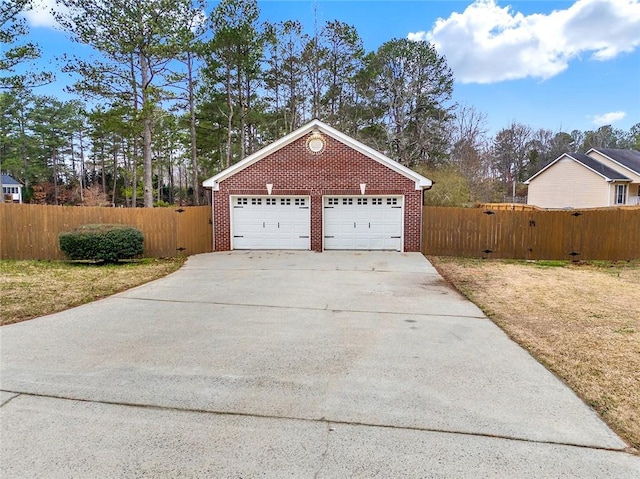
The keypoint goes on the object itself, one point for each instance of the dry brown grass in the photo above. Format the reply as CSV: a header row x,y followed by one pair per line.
x,y
580,320
36,288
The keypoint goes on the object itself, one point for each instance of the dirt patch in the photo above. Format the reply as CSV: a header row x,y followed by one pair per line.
x,y
582,321
36,288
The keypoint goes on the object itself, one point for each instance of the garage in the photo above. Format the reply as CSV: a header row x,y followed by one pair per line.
x,y
363,222
270,222
317,189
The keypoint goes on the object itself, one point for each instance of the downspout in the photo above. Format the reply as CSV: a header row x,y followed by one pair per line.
x,y
213,222
424,189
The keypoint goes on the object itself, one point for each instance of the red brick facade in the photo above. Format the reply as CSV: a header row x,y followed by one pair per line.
x,y
337,170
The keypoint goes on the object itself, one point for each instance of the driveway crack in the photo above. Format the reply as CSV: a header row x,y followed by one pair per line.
x,y
7,401
308,308
330,424
323,457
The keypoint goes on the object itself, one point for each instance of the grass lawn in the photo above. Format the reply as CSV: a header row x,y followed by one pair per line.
x,y
582,321
36,288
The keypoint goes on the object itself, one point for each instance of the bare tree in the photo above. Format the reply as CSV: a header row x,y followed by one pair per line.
x,y
510,148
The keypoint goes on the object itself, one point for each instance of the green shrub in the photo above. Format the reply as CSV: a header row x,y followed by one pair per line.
x,y
102,242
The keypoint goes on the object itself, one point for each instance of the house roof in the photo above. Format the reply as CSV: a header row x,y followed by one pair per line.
x,y
8,180
316,125
608,173
630,159
600,168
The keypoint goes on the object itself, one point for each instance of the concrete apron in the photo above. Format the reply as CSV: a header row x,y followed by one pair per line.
x,y
290,364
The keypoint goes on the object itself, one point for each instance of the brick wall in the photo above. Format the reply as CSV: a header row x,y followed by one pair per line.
x,y
337,170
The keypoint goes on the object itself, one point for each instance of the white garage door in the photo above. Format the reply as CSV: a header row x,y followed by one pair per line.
x,y
363,222
270,222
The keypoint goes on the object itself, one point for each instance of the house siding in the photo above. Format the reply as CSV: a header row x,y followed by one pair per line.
x,y
337,170
568,184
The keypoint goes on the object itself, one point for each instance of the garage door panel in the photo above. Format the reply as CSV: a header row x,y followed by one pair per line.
x,y
363,223
271,223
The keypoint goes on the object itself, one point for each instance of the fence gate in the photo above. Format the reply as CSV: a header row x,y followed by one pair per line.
x,y
193,230
610,234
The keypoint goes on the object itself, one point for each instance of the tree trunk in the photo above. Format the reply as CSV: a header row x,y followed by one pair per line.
x,y
192,126
146,155
23,148
134,179
170,196
81,167
134,162
54,158
251,137
180,190
158,196
243,113
115,174
146,134
104,177
73,157
229,118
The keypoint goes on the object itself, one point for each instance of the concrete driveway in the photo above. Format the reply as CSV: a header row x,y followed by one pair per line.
x,y
290,364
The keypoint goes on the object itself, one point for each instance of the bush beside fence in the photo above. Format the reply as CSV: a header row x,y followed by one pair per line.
x,y
31,231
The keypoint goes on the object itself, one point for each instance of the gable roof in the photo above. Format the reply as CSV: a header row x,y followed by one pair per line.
x,y
600,168
8,180
630,159
420,181
608,173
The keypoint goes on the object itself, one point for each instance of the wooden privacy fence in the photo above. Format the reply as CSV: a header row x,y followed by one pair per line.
x,y
570,235
31,231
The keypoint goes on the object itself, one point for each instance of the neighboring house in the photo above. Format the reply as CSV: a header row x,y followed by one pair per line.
x,y
317,189
11,189
602,177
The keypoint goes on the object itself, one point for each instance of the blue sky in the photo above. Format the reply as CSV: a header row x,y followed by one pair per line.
x,y
560,65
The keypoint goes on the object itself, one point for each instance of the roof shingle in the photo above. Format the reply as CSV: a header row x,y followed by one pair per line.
x,y
8,180
627,158
598,167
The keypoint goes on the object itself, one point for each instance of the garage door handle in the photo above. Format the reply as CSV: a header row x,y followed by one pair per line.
x,y
354,224
396,237
369,224
396,206
329,236
238,236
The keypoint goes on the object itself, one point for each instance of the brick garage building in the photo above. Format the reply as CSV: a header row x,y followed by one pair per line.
x,y
317,189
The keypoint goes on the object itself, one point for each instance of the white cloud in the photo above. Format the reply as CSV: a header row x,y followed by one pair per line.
x,y
199,21
487,43
40,15
607,118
